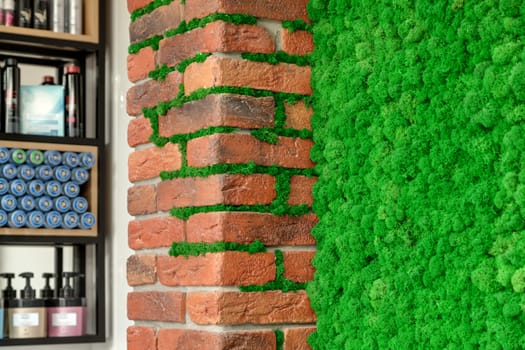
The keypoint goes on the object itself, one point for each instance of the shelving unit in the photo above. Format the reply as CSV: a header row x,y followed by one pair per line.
x,y
87,247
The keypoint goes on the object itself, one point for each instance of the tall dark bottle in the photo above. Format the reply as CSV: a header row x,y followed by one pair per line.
x,y
11,95
74,121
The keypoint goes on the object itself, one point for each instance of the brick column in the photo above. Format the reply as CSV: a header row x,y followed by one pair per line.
x,y
221,138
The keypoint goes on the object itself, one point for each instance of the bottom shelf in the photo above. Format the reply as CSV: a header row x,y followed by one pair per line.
x,y
57,340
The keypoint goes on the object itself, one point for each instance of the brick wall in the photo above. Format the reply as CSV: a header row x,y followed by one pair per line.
x,y
191,129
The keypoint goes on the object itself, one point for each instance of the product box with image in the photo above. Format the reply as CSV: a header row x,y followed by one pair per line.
x,y
42,110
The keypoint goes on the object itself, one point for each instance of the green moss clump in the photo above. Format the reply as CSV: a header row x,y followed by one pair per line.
x,y
202,22
279,339
195,249
278,57
148,8
153,42
298,24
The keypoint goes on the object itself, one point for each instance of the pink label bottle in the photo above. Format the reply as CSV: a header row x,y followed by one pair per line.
x,y
67,314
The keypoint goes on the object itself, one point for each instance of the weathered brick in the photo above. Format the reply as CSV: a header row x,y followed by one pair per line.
x,y
139,131
297,338
217,269
187,339
141,269
280,10
141,63
216,189
136,4
156,306
298,266
142,200
155,232
148,163
243,148
141,338
231,308
232,110
298,116
218,36
156,22
299,42
224,71
272,230
301,190
151,92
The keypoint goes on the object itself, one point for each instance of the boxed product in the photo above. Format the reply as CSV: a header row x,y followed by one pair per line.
x,y
42,110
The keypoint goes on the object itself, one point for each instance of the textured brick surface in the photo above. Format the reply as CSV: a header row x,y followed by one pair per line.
x,y
222,71
141,63
297,338
156,22
155,232
137,4
142,200
299,42
219,110
141,269
298,116
298,265
216,36
139,131
242,148
231,308
270,9
301,190
217,269
148,163
184,339
246,227
141,338
151,92
216,189
156,306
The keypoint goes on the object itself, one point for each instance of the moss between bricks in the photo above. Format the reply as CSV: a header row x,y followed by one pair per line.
x,y
149,8
279,339
298,24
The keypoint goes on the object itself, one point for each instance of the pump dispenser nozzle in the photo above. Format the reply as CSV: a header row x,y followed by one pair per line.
x,y
47,292
67,291
9,292
28,292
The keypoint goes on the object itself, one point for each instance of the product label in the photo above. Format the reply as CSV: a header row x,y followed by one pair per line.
x,y
64,319
25,319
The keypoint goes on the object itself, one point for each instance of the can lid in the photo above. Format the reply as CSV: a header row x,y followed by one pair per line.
x,y
72,69
10,61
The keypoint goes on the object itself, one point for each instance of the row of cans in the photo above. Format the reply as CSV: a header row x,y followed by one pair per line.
x,y
51,220
61,173
52,158
62,204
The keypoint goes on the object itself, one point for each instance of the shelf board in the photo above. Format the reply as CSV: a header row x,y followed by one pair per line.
x,y
56,340
47,240
39,33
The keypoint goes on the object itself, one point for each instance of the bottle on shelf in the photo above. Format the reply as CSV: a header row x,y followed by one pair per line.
x,y
3,221
9,12
11,95
66,314
44,204
24,13
41,14
73,121
9,293
35,219
73,22
57,16
17,219
48,80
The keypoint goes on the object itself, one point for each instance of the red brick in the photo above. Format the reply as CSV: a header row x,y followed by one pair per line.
x,y
141,63
232,308
150,93
244,227
187,339
297,338
155,232
139,131
299,42
301,190
156,306
219,110
217,269
280,10
137,4
216,36
142,200
216,189
155,23
242,148
223,71
298,266
148,163
298,116
141,338
141,269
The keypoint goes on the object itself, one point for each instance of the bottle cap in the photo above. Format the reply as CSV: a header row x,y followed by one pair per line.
x,y
72,69
48,79
28,292
47,292
9,292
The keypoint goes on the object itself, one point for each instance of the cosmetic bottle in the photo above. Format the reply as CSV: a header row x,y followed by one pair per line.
x,y
66,314
26,172
4,155
34,157
80,205
71,189
44,204
8,171
70,220
36,188
87,160
4,186
17,156
80,175
53,219
62,173
27,315
87,221
3,218
8,293
44,172
70,159
35,219
52,158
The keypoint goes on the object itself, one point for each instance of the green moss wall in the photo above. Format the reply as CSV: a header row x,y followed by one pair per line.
x,y
420,146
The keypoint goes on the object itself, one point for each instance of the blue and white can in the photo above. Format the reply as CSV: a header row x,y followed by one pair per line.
x,y
80,175
26,172
26,203
62,204
4,155
17,187
62,173
35,219
36,188
70,159
71,189
70,220
17,219
44,172
53,219
87,221
44,204
8,171
3,219
80,205
8,202
52,158
35,157
53,188
4,186
87,160
17,156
